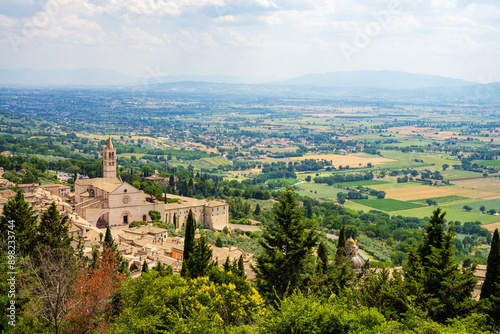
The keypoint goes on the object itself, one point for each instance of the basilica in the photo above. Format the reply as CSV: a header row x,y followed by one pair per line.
x,y
111,201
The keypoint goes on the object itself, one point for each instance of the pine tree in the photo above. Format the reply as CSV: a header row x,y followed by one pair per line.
x,y
491,285
53,230
24,222
323,256
109,244
188,241
433,270
108,239
257,210
145,267
308,208
241,267
198,263
341,252
286,260
227,265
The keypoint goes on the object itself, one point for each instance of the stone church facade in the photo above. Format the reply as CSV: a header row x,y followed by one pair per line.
x,y
111,201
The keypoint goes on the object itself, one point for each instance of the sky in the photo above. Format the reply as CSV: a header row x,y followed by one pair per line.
x,y
272,39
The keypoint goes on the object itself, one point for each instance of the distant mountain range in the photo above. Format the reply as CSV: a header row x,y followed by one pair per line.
x,y
372,84
377,79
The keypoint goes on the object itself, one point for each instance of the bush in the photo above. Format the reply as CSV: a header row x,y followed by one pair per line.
x,y
136,223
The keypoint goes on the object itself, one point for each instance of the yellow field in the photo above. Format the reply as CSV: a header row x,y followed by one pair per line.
x,y
422,192
492,227
484,184
352,160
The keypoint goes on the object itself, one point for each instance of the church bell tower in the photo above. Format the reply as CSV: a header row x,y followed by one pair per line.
x,y
109,155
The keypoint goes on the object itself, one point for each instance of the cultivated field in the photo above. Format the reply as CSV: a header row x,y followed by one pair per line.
x,y
444,199
318,191
485,184
363,183
388,204
412,191
352,160
493,226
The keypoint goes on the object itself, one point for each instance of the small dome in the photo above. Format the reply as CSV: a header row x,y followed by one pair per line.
x,y
357,261
351,241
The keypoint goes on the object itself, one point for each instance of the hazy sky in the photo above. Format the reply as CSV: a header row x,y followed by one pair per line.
x,y
268,38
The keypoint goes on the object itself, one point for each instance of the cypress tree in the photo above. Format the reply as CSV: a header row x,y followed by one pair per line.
x,y
323,256
257,210
341,252
145,267
241,266
285,263
199,260
24,223
53,230
175,220
491,285
188,241
108,238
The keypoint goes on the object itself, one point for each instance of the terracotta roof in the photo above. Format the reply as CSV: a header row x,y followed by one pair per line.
x,y
108,184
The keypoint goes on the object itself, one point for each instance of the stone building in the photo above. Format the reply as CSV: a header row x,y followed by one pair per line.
x,y
111,201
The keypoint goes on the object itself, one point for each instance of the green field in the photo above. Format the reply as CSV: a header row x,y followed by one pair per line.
x,y
404,160
451,174
451,214
318,191
363,183
486,163
208,163
489,204
387,204
442,200
280,182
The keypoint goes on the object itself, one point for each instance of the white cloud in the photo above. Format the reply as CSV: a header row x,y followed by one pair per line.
x,y
141,38
289,34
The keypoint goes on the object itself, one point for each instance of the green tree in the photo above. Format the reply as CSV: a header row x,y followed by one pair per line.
x,y
341,197
147,171
323,256
175,220
286,260
257,210
491,285
108,238
109,244
433,270
188,241
152,191
155,215
145,267
467,208
24,222
445,166
241,266
53,230
341,251
199,260
482,208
